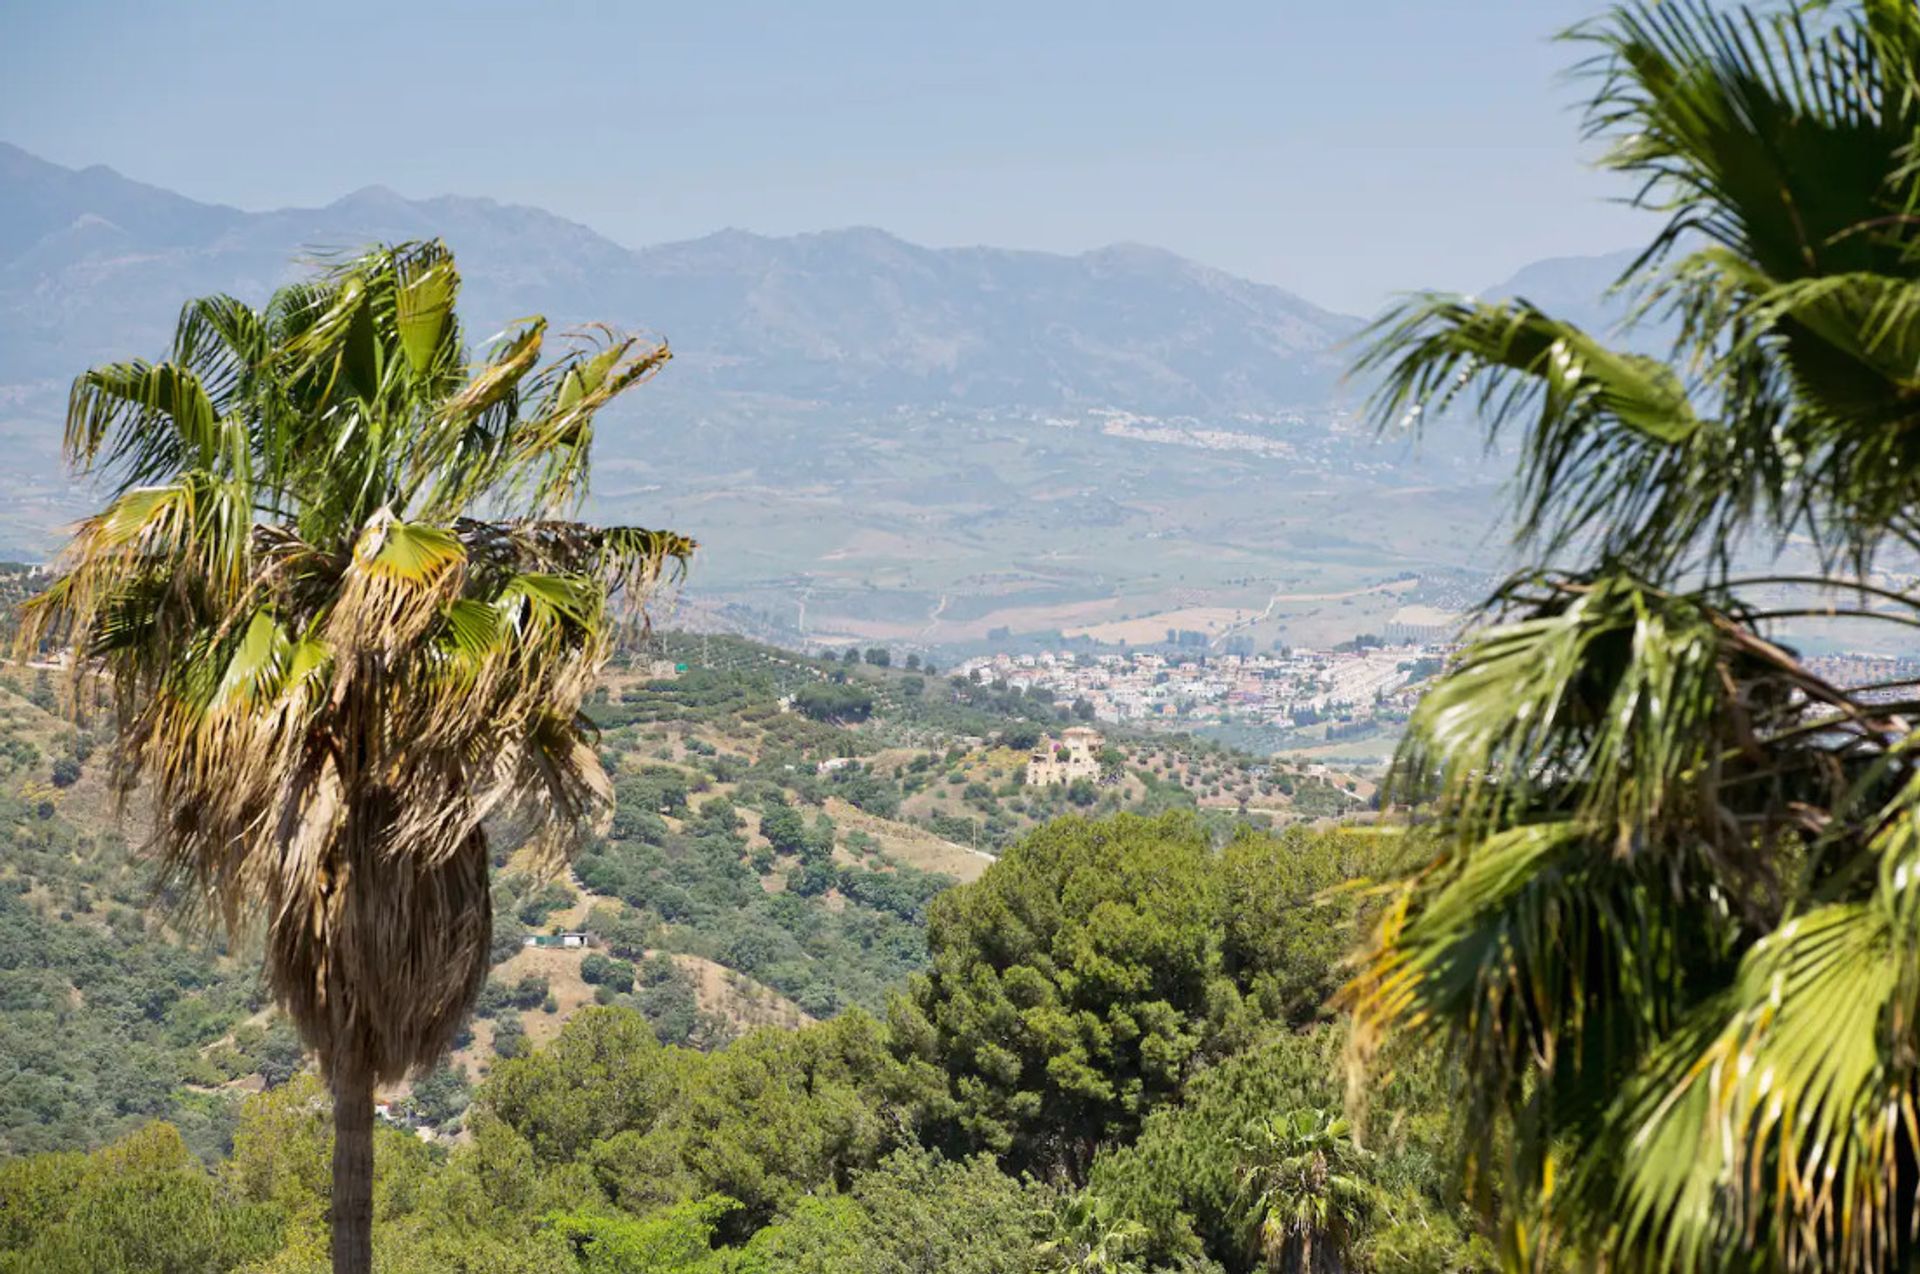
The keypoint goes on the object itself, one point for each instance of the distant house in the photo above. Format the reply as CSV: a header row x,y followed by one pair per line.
x,y
833,763
1075,757
570,940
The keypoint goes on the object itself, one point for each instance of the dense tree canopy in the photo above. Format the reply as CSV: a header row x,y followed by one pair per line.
x,y
856,1145
1078,983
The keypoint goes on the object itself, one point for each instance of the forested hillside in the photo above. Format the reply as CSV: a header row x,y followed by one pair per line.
x,y
1119,1051
781,826
110,1015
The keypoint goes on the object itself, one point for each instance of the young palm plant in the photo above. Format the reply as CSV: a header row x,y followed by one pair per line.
x,y
1090,1237
1671,927
346,623
1306,1198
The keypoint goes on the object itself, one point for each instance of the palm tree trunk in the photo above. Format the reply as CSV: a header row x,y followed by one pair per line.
x,y
352,1213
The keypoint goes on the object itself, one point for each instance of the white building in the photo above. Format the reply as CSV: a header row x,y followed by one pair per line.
x,y
1076,756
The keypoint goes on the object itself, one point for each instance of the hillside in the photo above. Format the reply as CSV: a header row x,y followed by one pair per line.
x,y
1122,1022
781,825
111,1013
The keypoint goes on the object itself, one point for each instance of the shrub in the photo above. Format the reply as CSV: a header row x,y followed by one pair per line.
x,y
604,971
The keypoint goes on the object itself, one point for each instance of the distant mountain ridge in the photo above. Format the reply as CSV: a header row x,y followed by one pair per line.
x,y
94,265
873,441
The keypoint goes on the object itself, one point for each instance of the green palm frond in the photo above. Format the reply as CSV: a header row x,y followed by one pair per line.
x,y
1784,142
1632,788
259,664
425,286
226,345
1613,456
548,447
147,420
1785,1085
1599,701
1774,134
1670,919
1090,1237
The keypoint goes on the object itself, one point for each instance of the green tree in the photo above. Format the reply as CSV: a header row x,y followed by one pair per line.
x,y
674,1239
1185,1179
282,1146
327,667
826,701
441,1095
1021,737
1289,924
280,1055
821,1234
486,1209
1182,1178
644,796
785,829
543,902
509,936
1669,931
1092,1237
510,1037
1072,985
600,970
35,1193
912,1213
141,1204
780,1113
810,880
605,1074
928,1215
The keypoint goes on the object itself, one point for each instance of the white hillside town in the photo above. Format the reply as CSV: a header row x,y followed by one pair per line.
x,y
1142,688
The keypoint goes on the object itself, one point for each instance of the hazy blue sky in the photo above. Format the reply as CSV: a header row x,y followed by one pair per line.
x,y
1342,148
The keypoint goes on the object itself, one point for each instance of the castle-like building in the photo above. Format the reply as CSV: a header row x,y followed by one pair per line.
x,y
1075,756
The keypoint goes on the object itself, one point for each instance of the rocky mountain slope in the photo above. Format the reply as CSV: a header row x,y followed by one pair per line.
x,y
94,265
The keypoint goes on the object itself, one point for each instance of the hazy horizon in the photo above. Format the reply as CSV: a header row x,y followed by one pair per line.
x,y
1289,144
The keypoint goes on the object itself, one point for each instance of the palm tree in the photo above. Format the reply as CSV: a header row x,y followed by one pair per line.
x,y
347,626
1670,926
1306,1197
1092,1237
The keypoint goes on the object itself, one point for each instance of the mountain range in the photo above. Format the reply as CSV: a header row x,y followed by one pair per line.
x,y
94,265
875,439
